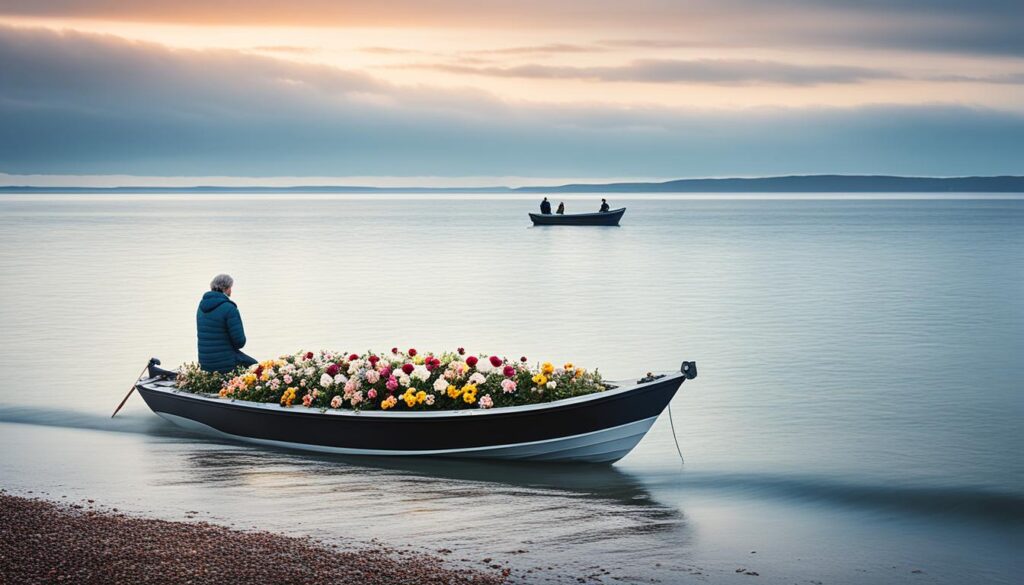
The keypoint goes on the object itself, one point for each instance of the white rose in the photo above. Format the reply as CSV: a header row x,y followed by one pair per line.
x,y
403,379
340,379
421,373
326,380
477,378
484,366
551,385
440,385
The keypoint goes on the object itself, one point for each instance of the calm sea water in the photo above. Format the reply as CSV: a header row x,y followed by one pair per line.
x,y
857,419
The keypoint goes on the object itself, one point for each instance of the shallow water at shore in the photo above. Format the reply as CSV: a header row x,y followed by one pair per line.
x,y
857,415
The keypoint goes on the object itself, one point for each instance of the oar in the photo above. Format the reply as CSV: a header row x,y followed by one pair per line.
x,y
152,362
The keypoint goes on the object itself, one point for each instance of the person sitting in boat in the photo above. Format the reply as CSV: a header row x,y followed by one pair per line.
x,y
219,330
561,208
604,206
545,207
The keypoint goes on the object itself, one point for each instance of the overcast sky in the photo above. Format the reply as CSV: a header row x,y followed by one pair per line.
x,y
461,91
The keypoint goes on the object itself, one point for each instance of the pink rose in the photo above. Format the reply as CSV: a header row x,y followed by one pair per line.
x,y
307,400
336,402
372,394
351,386
372,376
508,386
486,402
385,372
392,384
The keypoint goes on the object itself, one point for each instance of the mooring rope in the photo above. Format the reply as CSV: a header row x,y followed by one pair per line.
x,y
674,437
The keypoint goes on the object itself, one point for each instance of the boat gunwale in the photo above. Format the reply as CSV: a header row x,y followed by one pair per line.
x,y
588,214
149,385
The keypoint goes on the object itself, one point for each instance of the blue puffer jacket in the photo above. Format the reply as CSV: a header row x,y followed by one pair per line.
x,y
219,332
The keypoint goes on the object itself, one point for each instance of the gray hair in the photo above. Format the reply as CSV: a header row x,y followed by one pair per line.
x,y
221,282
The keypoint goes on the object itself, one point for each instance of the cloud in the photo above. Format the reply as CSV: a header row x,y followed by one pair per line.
x,y
550,48
86,104
388,51
711,71
284,49
978,27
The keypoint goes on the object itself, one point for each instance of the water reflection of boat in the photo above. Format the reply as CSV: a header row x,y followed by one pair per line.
x,y
598,484
598,218
595,428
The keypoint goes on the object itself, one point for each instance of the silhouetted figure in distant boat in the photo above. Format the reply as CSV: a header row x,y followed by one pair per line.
x,y
561,208
604,206
545,207
219,329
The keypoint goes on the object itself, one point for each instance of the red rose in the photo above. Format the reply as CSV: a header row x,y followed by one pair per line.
x,y
436,361
332,370
373,360
430,366
407,368
412,352
394,350
353,357
471,360
523,359
462,351
309,355
259,370
509,371
495,361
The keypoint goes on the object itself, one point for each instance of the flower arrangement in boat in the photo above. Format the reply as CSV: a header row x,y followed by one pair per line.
x,y
399,380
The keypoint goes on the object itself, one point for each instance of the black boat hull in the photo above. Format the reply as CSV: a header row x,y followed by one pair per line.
x,y
610,218
597,428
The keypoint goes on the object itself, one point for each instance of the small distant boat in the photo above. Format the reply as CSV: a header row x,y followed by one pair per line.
x,y
594,428
599,218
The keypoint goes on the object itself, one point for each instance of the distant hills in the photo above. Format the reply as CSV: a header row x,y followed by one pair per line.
x,y
788,184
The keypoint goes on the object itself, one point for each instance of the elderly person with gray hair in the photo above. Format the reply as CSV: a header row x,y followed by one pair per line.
x,y
219,329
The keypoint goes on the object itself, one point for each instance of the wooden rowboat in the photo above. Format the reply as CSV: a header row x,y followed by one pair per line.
x,y
596,428
600,218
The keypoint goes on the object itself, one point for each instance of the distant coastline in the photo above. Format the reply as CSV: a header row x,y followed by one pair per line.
x,y
784,184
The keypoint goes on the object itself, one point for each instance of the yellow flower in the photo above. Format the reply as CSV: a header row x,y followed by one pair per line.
x,y
469,397
288,397
421,396
567,366
418,360
453,392
547,368
249,379
410,400
388,402
540,379
580,372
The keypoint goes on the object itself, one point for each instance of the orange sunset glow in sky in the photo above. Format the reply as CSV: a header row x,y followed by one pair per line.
x,y
703,80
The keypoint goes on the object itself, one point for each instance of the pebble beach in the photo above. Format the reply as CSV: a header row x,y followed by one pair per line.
x,y
82,543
